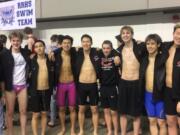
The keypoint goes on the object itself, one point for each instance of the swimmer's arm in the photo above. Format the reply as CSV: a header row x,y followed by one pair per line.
x,y
142,47
115,52
178,95
52,74
165,44
51,54
178,107
117,60
2,89
120,72
30,70
2,85
177,81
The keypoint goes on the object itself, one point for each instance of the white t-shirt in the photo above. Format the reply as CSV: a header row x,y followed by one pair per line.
x,y
19,72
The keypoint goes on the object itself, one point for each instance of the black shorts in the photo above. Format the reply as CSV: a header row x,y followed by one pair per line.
x,y
41,101
85,91
129,99
109,96
170,103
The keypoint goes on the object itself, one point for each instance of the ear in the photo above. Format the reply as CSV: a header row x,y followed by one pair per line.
x,y
159,45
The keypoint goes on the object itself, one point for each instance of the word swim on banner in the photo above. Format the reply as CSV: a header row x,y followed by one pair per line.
x,y
17,14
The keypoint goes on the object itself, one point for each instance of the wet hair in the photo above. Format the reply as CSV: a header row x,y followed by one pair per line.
x,y
54,38
128,28
68,37
87,36
177,26
40,41
28,30
16,34
154,37
60,39
3,38
107,42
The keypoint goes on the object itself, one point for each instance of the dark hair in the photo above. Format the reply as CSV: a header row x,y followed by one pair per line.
x,y
128,28
54,38
60,39
16,34
107,42
177,26
68,37
87,36
28,30
3,38
1,44
40,41
118,37
154,37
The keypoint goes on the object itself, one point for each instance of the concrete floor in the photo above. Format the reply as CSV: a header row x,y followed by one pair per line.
x,y
88,128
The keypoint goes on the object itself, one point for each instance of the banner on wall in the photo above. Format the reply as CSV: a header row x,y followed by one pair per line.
x,y
17,14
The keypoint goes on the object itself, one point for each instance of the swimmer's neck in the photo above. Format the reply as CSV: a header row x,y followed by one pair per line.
x,y
153,55
87,52
129,44
42,56
106,56
65,52
15,50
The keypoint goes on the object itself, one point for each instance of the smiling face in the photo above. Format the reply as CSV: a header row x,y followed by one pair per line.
x,y
15,43
126,35
152,46
86,43
39,48
176,37
66,45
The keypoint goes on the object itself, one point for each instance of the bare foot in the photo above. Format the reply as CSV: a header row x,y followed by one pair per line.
x,y
61,133
73,133
51,124
109,133
81,133
95,133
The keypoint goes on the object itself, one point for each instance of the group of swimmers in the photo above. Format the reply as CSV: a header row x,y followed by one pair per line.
x,y
133,76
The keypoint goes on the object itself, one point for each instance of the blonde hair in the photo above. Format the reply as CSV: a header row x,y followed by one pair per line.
x,y
177,26
16,34
128,28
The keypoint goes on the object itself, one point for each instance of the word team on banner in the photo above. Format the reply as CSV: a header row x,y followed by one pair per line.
x,y
17,14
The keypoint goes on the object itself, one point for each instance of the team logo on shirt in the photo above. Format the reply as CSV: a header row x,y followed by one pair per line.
x,y
96,58
107,63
